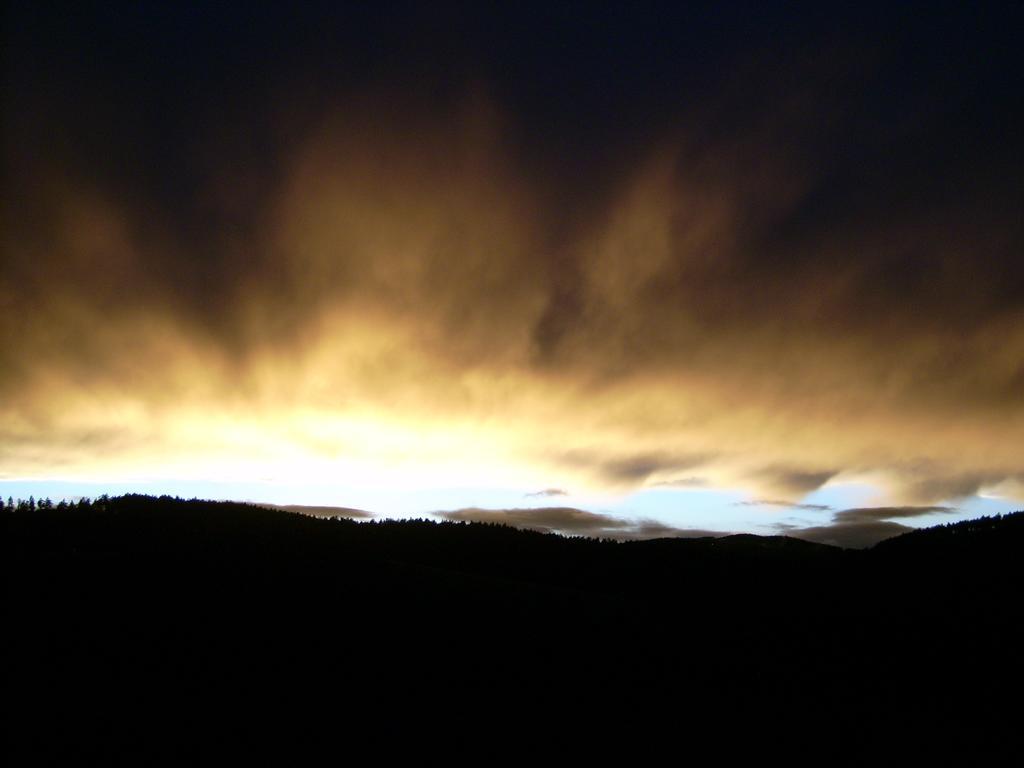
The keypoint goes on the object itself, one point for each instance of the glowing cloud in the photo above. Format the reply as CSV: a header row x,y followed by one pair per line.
x,y
410,290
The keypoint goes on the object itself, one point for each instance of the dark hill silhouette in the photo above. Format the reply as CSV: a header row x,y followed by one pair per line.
x,y
1002,533
139,596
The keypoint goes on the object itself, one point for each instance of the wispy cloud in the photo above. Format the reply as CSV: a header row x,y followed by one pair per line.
x,y
546,493
683,482
752,286
573,522
348,513
861,527
782,503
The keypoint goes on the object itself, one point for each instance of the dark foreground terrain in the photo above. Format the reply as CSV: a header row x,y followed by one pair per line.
x,y
151,626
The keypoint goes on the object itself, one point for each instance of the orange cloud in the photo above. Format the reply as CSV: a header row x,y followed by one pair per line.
x,y
419,303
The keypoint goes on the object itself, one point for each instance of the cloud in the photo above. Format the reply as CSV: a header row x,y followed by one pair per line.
x,y
572,522
1012,487
629,468
347,513
781,503
793,482
862,527
634,469
865,514
651,529
547,492
700,268
548,519
683,482
857,535
923,483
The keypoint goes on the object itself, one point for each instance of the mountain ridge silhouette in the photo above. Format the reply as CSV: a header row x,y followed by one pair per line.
x,y
154,599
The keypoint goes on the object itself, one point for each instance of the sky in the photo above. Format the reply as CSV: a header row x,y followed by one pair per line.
x,y
626,270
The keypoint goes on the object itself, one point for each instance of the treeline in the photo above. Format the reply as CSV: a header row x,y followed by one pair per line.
x,y
120,599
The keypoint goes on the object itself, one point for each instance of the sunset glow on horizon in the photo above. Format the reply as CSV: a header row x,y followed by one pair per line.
x,y
439,289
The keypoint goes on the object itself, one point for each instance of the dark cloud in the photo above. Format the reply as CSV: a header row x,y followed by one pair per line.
x,y
319,511
865,514
635,469
632,469
651,529
781,503
862,526
856,535
927,484
696,231
573,522
792,482
547,492
549,519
